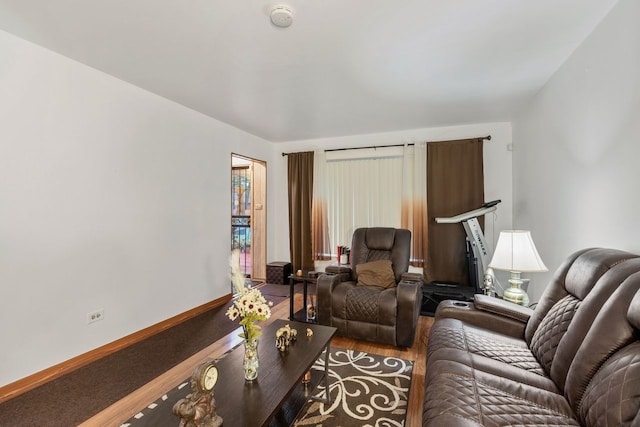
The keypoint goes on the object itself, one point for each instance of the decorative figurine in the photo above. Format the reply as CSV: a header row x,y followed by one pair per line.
x,y
309,333
284,336
488,282
311,312
198,409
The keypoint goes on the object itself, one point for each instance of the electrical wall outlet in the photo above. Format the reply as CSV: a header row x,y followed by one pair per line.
x,y
94,316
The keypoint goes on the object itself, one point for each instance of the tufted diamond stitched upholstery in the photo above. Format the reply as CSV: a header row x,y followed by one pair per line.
x,y
617,381
362,303
377,255
462,397
504,352
553,327
577,361
453,334
444,338
373,313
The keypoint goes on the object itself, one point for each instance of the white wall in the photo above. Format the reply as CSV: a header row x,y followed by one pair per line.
x,y
110,198
497,168
576,169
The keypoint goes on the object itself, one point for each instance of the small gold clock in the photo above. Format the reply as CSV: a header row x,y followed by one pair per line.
x,y
206,376
198,409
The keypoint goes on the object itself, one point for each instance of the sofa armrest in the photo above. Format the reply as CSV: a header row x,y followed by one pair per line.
x,y
467,312
502,307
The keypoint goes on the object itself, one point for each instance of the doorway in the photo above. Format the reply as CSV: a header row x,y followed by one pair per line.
x,y
248,214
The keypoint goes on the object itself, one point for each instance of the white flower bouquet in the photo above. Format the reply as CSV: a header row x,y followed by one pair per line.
x,y
250,306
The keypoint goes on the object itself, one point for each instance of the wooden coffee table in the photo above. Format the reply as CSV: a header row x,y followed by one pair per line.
x,y
254,403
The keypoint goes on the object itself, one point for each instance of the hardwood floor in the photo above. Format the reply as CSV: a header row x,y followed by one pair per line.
x,y
124,409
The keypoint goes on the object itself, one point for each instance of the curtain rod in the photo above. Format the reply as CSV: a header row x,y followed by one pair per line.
x,y
488,138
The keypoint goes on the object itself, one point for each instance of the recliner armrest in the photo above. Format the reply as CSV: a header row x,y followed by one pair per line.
x,y
345,272
409,300
502,307
337,269
324,288
411,277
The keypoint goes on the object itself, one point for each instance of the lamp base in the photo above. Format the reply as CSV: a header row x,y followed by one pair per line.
x,y
516,295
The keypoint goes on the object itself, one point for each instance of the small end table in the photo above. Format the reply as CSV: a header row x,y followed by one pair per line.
x,y
301,315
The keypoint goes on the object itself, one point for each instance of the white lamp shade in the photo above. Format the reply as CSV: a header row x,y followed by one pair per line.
x,y
516,251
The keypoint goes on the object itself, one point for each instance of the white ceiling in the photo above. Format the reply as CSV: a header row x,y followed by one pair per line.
x,y
343,68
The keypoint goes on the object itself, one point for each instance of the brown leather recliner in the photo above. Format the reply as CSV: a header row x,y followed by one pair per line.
x,y
373,313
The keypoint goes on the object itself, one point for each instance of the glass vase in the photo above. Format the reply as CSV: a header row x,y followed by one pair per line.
x,y
251,361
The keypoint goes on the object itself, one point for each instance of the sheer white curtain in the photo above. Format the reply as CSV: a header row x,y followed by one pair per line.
x,y
364,188
414,199
382,187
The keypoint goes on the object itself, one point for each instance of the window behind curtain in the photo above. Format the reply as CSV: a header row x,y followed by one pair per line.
x,y
363,192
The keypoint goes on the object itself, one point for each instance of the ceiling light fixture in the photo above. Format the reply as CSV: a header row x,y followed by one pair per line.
x,y
281,16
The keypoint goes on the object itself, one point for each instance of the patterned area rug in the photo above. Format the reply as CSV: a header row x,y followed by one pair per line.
x,y
366,389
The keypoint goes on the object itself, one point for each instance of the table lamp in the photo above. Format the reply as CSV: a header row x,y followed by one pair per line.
x,y
515,252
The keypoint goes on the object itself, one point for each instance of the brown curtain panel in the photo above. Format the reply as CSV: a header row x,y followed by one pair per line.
x,y
455,184
300,177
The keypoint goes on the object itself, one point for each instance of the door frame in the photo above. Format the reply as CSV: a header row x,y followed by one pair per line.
x,y
258,216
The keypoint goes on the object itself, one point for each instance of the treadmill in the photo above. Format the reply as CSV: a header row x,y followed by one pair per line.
x,y
478,258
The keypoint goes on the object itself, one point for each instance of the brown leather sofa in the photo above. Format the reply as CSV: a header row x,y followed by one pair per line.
x,y
572,361
387,315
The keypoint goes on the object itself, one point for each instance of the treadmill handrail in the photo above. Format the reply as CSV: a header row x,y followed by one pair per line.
x,y
465,216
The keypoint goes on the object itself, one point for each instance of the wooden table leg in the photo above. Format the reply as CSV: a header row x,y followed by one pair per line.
x,y
304,286
291,299
327,392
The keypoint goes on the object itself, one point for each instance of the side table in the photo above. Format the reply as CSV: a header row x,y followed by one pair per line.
x,y
300,315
